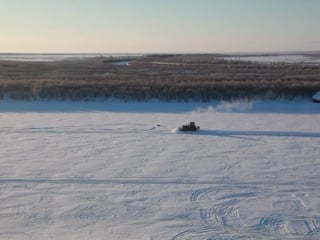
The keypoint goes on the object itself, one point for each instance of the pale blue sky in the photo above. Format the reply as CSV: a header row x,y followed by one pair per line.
x,y
134,26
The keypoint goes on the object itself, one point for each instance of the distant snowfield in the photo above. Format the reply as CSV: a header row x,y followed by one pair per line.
x,y
287,58
123,63
56,57
75,171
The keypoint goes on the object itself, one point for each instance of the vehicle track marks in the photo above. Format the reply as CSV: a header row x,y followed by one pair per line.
x,y
254,212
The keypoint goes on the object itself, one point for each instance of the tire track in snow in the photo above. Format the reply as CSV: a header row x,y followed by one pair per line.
x,y
196,195
254,212
75,130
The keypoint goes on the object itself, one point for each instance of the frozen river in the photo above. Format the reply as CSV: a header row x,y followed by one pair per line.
x,y
251,172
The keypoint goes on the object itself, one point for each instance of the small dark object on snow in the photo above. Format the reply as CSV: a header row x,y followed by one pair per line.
x,y
189,127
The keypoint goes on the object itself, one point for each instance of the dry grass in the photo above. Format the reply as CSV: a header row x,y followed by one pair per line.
x,y
188,77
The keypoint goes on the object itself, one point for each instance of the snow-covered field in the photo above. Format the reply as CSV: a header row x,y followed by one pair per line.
x,y
29,57
287,58
252,172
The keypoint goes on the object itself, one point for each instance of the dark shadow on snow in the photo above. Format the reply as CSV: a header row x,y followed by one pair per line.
x,y
302,106
223,133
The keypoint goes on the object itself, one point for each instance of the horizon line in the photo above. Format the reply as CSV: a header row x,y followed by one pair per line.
x,y
165,52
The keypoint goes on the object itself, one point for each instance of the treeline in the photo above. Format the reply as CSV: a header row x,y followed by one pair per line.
x,y
169,77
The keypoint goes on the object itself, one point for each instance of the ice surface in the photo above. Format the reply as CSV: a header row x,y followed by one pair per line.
x,y
251,172
123,63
